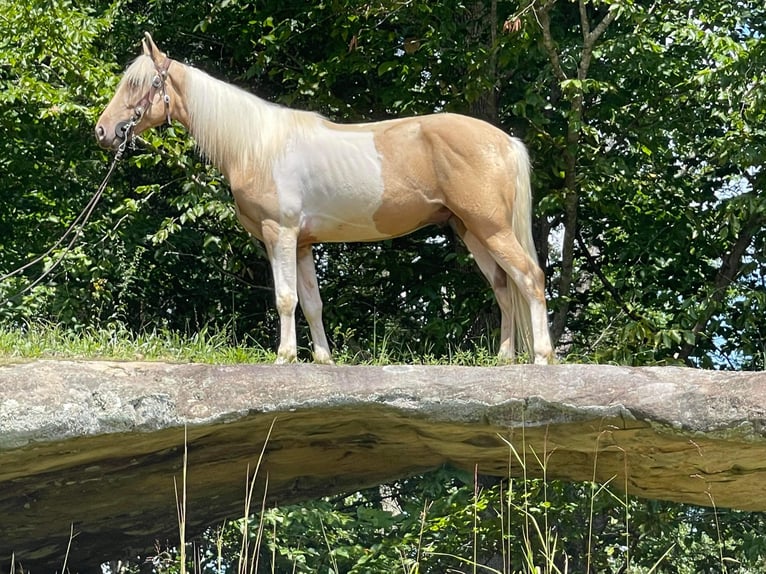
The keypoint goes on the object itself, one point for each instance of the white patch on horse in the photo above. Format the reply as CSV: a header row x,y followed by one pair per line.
x,y
331,181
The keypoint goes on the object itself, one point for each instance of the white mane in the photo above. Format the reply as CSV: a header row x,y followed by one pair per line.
x,y
139,74
234,128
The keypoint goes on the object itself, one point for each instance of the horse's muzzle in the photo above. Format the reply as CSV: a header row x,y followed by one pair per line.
x,y
102,138
107,140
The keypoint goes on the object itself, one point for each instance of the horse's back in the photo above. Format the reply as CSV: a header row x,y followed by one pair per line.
x,y
462,163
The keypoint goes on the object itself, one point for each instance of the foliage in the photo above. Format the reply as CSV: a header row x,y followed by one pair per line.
x,y
662,227
646,124
436,523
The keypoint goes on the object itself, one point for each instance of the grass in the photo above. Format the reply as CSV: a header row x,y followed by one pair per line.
x,y
50,341
527,524
539,542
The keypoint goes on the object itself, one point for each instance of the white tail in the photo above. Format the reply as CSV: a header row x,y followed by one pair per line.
x,y
522,229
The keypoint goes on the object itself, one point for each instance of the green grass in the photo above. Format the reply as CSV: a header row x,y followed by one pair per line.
x,y
48,341
218,346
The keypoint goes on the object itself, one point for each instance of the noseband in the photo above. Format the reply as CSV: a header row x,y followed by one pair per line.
x,y
125,129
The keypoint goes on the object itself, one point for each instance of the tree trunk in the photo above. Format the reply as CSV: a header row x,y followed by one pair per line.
x,y
575,94
483,18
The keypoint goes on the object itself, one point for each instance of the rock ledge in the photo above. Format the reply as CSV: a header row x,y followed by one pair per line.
x,y
97,445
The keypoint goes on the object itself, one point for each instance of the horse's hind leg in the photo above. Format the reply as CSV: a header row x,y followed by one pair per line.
x,y
498,280
311,303
530,281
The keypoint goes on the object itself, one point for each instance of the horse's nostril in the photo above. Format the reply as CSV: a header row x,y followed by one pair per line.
x,y
100,132
120,130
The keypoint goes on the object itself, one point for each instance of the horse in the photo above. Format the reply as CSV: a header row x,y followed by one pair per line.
x,y
298,178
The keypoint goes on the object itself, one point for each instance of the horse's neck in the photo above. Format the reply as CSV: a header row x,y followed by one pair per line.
x,y
234,129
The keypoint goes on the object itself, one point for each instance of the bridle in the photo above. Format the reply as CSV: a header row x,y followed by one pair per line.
x,y
125,129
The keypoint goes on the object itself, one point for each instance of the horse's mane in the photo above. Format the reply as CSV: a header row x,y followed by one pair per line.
x,y
139,74
233,127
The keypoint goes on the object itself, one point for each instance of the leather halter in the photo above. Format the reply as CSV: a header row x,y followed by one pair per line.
x,y
124,129
158,84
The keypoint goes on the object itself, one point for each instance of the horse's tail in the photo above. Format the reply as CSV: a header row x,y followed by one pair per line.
x,y
522,228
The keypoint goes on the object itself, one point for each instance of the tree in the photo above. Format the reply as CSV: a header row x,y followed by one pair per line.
x,y
645,189
49,69
653,209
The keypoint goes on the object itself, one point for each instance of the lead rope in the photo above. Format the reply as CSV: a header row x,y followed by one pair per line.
x,y
77,226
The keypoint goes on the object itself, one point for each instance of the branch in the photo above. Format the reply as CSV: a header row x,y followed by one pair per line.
x,y
584,21
543,17
730,268
591,37
222,270
608,284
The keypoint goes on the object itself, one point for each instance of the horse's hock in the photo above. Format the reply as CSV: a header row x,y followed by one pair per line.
x,y
97,446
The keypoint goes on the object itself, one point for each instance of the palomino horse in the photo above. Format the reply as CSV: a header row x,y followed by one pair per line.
x,y
299,179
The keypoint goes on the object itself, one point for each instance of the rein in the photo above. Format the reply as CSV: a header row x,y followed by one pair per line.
x,y
75,229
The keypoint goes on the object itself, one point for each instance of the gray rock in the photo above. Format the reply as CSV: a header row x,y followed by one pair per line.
x,y
97,446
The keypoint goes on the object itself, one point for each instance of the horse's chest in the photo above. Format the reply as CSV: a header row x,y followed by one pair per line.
x,y
333,184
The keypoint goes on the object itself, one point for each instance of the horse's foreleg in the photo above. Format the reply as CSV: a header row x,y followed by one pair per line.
x,y
311,303
281,244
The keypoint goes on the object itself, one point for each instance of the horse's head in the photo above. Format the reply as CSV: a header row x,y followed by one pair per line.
x,y
142,100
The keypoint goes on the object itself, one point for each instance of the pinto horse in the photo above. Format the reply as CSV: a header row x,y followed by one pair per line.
x,y
299,179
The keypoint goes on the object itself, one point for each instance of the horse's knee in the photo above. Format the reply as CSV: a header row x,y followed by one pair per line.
x,y
286,302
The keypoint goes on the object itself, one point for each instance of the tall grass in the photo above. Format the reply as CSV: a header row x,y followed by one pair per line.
x,y
541,546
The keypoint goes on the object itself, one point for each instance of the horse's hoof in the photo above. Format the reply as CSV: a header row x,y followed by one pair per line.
x,y
323,359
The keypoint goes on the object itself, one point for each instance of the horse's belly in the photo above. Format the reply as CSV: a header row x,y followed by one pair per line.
x,y
317,228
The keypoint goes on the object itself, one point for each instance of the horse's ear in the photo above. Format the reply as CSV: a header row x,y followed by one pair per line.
x,y
150,48
147,43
